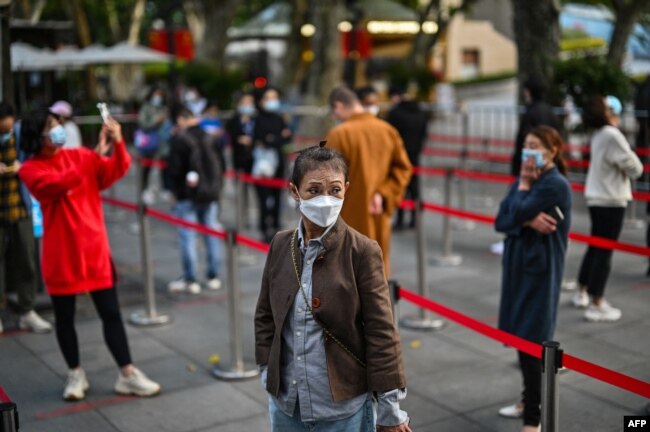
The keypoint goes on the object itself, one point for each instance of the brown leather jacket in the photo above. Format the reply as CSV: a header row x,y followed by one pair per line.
x,y
348,279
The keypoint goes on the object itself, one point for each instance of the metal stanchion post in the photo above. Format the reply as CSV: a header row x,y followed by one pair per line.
x,y
631,221
551,363
245,258
150,316
448,258
460,224
423,320
236,371
9,417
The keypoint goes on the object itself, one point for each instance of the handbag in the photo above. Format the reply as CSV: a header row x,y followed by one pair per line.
x,y
265,162
146,141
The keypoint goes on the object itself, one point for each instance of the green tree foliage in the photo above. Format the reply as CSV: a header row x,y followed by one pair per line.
x,y
581,78
215,86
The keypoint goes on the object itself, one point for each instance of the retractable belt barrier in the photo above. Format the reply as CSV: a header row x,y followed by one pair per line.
x,y
425,171
585,367
279,183
8,413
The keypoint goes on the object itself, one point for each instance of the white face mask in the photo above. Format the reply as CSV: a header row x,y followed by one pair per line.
x,y
322,210
373,109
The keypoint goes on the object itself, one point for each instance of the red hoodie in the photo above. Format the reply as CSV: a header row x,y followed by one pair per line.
x,y
76,255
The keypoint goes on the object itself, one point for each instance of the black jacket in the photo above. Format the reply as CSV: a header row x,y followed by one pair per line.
x,y
179,159
411,123
242,155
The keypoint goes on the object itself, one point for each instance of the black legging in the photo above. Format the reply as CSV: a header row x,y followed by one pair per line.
x,y
531,369
413,193
108,309
606,222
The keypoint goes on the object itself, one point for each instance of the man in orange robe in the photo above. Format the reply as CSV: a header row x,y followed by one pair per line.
x,y
379,168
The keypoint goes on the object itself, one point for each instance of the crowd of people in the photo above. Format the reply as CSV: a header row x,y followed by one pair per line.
x,y
324,332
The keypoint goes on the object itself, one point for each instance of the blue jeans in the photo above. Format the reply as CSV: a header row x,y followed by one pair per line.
x,y
206,215
362,421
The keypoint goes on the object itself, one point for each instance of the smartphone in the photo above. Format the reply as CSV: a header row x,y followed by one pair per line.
x,y
103,111
556,214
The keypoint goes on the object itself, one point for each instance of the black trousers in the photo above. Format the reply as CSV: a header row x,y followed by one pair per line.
x,y
606,222
269,207
18,263
108,308
413,193
531,370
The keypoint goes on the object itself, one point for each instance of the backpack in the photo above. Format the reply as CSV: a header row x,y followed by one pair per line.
x,y
205,160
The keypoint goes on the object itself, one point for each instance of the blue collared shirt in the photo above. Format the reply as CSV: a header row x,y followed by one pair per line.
x,y
303,371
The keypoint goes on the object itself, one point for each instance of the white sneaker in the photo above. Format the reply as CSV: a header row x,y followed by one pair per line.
x,y
497,248
181,285
214,283
33,321
581,299
136,384
569,285
513,411
604,312
76,385
148,197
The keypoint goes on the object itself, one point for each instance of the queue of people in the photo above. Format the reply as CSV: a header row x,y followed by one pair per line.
x,y
325,337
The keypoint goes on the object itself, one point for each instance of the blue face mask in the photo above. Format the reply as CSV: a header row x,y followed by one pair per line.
x,y
272,105
539,157
5,137
246,110
57,136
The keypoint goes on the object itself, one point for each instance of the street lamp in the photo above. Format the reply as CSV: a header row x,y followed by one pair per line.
x,y
6,86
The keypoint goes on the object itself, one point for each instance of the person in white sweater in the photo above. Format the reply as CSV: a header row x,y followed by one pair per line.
x,y
608,190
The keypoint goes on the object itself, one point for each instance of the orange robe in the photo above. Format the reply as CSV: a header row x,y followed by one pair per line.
x,y
378,163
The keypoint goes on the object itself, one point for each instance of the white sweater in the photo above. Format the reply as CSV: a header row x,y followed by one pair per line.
x,y
613,164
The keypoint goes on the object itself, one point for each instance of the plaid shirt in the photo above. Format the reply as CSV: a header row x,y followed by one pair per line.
x,y
12,208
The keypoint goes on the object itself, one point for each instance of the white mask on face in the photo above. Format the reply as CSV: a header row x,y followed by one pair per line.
x,y
373,109
322,210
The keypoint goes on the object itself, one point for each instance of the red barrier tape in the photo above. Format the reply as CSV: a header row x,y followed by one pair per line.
x,y
252,243
121,204
594,241
4,397
278,183
181,222
574,363
499,157
582,366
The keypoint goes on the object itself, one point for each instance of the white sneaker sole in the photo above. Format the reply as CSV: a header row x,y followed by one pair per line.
x,y
129,392
595,319
75,398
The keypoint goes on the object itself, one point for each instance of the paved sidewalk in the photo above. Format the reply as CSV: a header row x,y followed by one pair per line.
x,y
457,379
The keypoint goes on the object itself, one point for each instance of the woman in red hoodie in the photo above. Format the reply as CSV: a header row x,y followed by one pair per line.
x,y
76,253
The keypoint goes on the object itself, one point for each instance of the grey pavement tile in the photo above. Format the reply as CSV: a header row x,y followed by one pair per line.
x,y
434,354
253,389
470,388
186,410
456,424
423,411
84,421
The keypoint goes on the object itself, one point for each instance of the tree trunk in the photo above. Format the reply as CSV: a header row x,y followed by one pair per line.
x,y
218,15
326,70
26,8
113,20
627,15
537,34
293,64
136,21
38,11
417,56
85,39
